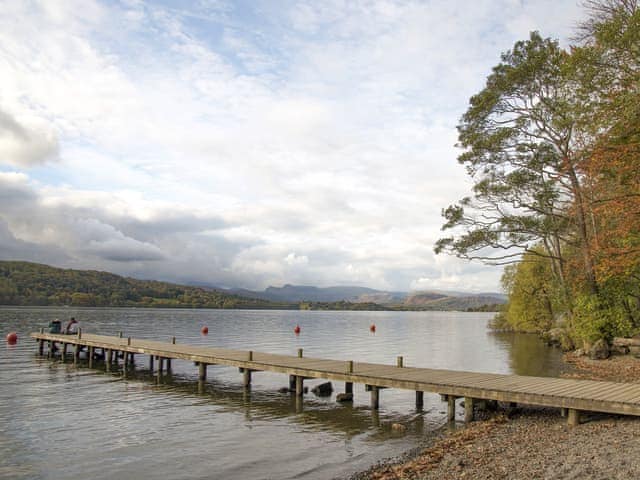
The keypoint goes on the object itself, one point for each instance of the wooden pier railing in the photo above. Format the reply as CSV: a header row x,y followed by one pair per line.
x,y
571,396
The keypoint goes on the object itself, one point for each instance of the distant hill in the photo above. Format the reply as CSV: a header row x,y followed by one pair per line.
x,y
436,300
305,293
25,283
472,302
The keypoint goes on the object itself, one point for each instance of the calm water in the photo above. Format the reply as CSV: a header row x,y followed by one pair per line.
x,y
74,423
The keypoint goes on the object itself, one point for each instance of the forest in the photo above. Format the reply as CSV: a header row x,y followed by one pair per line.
x,y
25,283
552,145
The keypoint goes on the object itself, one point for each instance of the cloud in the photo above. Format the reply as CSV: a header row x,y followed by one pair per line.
x,y
25,145
247,144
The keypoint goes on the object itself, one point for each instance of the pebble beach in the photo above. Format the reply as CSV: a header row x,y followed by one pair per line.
x,y
530,442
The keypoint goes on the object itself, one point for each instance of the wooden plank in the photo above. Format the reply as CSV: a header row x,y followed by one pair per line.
x,y
564,393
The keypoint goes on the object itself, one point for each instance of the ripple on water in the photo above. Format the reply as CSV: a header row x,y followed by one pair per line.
x,y
60,421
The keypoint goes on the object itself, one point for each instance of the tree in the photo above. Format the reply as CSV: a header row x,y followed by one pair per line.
x,y
533,294
523,148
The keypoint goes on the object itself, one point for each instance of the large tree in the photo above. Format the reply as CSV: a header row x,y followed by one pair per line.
x,y
523,147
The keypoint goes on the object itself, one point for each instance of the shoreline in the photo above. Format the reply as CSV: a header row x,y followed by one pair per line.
x,y
531,442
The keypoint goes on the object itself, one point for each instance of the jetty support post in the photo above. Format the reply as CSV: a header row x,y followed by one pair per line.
x,y
159,370
468,409
151,363
573,418
348,386
375,397
108,358
419,399
451,408
40,347
246,372
173,342
91,356
64,351
202,376
125,362
76,354
299,385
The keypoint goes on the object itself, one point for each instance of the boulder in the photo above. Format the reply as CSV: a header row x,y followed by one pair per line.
x,y
626,342
600,350
323,390
283,390
344,397
558,337
620,349
635,351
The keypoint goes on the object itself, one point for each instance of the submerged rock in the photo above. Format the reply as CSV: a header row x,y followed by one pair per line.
x,y
323,390
344,397
398,428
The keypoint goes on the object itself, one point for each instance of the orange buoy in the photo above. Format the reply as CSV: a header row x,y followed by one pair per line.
x,y
12,338
297,330
204,330
372,328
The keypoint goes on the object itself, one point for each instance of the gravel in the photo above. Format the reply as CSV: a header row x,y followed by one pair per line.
x,y
532,443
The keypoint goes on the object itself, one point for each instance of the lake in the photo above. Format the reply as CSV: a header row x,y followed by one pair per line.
x,y
62,422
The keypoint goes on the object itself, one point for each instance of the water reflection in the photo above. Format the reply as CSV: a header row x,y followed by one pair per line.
x,y
529,356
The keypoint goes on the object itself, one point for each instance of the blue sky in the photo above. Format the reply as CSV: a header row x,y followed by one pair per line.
x,y
246,143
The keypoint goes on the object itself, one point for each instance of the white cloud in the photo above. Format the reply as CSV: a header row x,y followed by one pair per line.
x,y
309,143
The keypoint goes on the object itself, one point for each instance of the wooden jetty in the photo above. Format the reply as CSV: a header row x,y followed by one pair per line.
x,y
571,396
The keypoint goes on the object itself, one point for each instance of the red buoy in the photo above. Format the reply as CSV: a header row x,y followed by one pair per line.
x,y
12,338
204,330
372,328
297,330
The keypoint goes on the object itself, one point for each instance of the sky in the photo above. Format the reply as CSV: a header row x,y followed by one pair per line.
x,y
247,143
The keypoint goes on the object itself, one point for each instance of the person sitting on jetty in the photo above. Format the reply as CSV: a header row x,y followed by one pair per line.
x,y
55,326
72,327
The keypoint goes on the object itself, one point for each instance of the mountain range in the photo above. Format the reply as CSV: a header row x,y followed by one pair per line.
x,y
25,283
430,300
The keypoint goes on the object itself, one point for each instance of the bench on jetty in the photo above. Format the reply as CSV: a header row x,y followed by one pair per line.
x,y
571,396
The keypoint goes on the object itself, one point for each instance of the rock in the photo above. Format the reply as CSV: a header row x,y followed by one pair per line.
x,y
620,349
344,397
398,428
626,342
305,390
558,337
323,390
283,390
579,352
599,350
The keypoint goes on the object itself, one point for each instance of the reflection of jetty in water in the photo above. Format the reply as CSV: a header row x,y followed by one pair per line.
x,y
343,418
